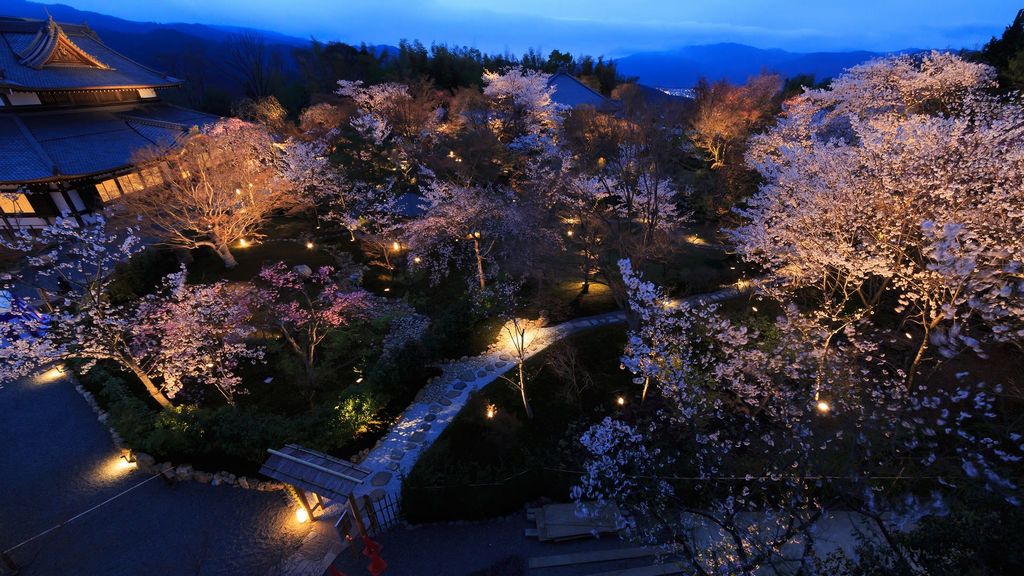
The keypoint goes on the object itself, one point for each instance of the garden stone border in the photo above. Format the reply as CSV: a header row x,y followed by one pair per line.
x,y
182,472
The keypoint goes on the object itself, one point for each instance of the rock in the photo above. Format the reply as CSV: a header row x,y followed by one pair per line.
x,y
418,437
303,270
500,364
393,466
228,478
459,386
425,425
244,482
453,393
202,477
409,446
145,462
430,417
380,479
396,455
504,357
216,480
167,469
481,373
467,376
444,402
183,472
434,409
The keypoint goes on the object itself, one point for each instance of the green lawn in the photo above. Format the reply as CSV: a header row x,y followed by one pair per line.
x,y
482,451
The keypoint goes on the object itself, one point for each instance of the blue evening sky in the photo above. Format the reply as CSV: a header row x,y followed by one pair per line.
x,y
612,27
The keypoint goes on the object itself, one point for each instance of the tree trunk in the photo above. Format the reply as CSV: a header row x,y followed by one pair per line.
x,y
479,263
154,392
522,393
224,251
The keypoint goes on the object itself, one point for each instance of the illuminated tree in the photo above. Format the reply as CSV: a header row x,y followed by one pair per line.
x,y
464,227
183,334
217,190
524,114
897,187
306,309
726,114
737,466
194,334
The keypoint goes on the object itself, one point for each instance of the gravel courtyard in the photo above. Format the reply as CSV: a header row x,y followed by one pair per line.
x,y
57,461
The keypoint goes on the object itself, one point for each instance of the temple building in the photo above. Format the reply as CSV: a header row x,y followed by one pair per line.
x,y
73,114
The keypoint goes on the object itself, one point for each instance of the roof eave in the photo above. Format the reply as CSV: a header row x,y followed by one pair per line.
x,y
24,88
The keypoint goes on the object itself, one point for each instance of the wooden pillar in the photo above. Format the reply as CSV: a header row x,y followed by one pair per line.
x,y
300,495
319,501
371,514
356,516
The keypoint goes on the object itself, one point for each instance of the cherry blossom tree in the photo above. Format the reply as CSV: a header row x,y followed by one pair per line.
x,y
897,187
217,190
464,226
524,115
628,208
183,334
739,463
194,333
306,309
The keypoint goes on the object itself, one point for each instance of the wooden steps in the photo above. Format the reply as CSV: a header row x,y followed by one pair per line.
x,y
594,556
655,570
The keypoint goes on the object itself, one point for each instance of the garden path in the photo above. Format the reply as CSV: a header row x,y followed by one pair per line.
x,y
395,455
441,400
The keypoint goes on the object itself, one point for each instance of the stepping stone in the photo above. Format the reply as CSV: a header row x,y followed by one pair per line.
x,y
396,454
410,446
425,426
467,376
434,409
460,386
430,417
504,357
481,373
380,479
378,494
500,364
453,393
393,466
444,402
418,437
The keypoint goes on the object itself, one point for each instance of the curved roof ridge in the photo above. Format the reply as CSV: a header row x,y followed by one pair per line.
x,y
52,46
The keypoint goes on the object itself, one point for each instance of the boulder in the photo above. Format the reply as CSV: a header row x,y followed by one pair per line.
x,y
229,478
244,482
183,472
303,270
216,480
167,469
202,477
145,462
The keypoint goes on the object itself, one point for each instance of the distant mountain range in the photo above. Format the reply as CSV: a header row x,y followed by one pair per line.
x,y
682,67
177,48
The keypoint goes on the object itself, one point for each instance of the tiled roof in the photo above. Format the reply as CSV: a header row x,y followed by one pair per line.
x,y
27,45
569,91
52,145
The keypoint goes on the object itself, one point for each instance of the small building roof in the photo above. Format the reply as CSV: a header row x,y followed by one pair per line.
x,y
44,55
569,91
314,471
40,146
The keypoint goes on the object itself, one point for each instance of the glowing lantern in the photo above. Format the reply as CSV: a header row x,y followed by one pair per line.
x,y
301,516
823,407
